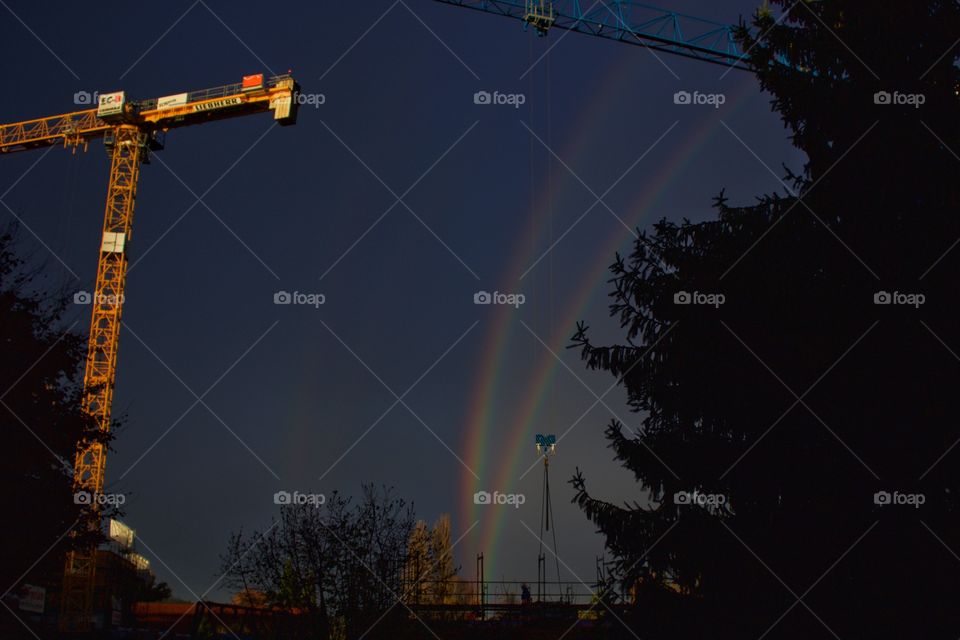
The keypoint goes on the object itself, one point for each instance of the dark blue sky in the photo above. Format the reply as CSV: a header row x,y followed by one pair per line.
x,y
294,387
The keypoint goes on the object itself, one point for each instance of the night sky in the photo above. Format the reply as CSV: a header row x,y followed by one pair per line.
x,y
230,398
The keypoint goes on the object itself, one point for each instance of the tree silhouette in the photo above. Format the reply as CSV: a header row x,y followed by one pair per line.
x,y
777,431
340,563
41,377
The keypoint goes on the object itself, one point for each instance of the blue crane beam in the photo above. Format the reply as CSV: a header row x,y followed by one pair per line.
x,y
624,21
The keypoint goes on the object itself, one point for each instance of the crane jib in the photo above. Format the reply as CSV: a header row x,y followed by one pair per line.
x,y
279,94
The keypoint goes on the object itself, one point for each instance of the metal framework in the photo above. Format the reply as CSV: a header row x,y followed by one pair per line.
x,y
101,368
129,134
624,21
229,101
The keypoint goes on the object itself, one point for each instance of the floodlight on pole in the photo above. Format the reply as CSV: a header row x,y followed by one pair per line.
x,y
546,447
546,444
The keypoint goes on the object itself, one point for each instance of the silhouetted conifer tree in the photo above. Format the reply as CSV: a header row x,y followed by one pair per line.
x,y
822,390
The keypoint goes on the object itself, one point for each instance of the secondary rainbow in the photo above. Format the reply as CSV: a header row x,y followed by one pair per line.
x,y
499,338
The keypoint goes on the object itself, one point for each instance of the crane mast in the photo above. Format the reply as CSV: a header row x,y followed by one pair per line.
x,y
130,130
101,366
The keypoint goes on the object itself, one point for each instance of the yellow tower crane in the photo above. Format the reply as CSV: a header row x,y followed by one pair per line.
x,y
130,130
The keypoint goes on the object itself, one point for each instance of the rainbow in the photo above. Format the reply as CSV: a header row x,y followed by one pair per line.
x,y
500,336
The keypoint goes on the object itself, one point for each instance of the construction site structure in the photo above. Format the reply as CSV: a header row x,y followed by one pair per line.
x,y
130,130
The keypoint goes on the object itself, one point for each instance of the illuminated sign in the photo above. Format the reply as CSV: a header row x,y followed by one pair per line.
x,y
121,534
110,104
32,598
217,104
141,563
169,102
113,242
252,83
